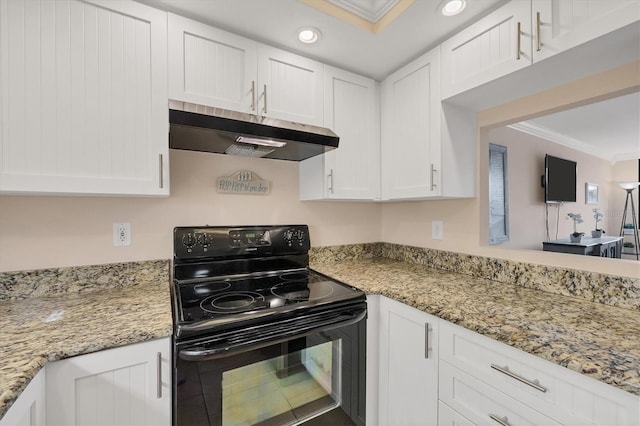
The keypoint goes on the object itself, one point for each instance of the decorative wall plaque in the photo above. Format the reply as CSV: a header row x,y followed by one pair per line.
x,y
244,182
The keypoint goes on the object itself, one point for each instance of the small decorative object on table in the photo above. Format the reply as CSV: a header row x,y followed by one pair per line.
x,y
576,237
597,233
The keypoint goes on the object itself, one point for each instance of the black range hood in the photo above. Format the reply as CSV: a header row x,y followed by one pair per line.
x,y
201,128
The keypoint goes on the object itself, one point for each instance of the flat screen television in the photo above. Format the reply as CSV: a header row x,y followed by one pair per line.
x,y
560,180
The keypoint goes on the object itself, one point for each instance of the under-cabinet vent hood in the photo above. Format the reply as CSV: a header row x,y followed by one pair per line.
x,y
201,128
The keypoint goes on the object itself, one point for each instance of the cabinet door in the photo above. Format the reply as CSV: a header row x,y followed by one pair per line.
x,y
351,172
447,416
411,130
488,49
556,392
29,408
408,365
211,67
373,354
83,97
289,86
125,385
483,404
559,25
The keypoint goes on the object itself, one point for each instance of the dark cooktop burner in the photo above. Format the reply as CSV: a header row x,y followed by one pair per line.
x,y
297,290
212,299
294,276
234,301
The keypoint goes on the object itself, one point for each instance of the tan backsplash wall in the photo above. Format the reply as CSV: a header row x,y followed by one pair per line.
x,y
43,232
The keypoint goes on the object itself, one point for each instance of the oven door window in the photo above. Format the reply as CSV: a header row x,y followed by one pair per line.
x,y
282,384
288,388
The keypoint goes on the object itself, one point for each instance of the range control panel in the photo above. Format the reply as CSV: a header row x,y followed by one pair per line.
x,y
245,241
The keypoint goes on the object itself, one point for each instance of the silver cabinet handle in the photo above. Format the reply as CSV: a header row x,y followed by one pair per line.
x,y
503,421
427,339
253,95
533,383
161,168
538,25
331,181
159,375
265,98
518,43
432,180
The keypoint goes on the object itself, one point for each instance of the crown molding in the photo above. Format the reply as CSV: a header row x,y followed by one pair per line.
x,y
567,141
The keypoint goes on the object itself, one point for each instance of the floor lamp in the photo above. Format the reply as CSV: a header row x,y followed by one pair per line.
x,y
629,187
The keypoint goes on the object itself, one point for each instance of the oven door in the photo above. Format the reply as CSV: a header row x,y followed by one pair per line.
x,y
311,370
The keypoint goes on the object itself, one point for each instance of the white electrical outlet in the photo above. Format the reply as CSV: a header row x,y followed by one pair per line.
x,y
437,229
121,234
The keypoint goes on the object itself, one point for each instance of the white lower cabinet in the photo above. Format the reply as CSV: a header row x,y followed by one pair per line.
x,y
29,408
408,379
482,404
430,371
479,373
447,416
373,364
126,385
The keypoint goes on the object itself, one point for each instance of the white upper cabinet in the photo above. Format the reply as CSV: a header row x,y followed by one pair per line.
x,y
496,45
523,32
562,24
83,93
350,172
411,130
289,86
211,67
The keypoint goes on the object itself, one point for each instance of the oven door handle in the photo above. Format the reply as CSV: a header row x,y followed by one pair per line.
x,y
199,353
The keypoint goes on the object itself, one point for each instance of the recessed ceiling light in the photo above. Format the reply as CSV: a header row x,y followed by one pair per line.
x,y
309,35
453,7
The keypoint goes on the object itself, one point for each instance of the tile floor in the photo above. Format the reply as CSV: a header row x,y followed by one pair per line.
x,y
254,393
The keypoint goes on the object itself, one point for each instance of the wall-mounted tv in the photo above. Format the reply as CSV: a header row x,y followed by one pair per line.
x,y
560,180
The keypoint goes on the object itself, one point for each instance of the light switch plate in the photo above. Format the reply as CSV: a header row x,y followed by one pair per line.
x,y
437,229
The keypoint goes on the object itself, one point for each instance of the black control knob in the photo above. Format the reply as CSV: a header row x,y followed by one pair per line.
x,y
204,240
188,240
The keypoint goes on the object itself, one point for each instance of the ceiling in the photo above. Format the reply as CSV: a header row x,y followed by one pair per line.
x,y
608,129
276,22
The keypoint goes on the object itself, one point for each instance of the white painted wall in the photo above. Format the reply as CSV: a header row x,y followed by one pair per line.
x,y
525,158
623,171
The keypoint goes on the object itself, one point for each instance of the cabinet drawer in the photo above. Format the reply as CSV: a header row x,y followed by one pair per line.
x,y
483,404
447,416
569,397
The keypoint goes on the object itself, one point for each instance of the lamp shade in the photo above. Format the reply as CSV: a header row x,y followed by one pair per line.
x,y
628,185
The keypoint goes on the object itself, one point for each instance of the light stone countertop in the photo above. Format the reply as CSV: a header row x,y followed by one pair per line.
x,y
38,330
600,341
597,340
